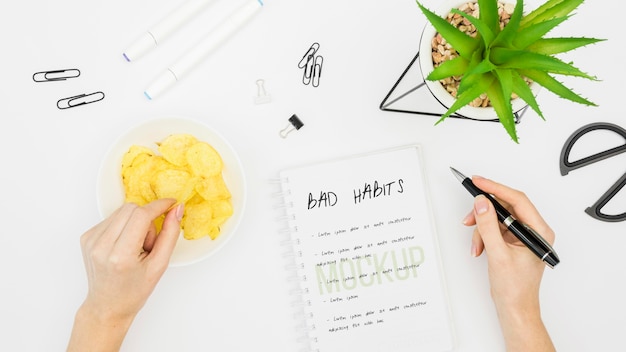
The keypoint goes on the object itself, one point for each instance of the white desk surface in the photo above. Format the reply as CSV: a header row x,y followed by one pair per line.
x,y
237,300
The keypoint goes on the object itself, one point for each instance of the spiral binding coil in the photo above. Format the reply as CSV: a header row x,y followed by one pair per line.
x,y
291,255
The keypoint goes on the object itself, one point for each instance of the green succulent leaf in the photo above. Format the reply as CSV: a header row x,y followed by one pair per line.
x,y
501,102
488,14
474,91
551,46
497,61
483,67
550,9
485,32
507,35
469,80
506,81
556,87
521,88
520,59
531,34
463,43
449,68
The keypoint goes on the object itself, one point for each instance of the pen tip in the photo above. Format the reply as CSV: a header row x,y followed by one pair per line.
x,y
458,175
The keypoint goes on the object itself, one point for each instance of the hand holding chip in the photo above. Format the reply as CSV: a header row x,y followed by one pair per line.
x,y
124,259
187,170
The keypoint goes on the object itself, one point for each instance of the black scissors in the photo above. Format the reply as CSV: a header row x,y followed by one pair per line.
x,y
566,166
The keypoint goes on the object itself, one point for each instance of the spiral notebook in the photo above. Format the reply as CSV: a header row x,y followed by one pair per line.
x,y
365,257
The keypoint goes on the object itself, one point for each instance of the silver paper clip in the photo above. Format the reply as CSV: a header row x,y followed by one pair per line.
x,y
308,70
262,96
56,75
308,55
294,124
317,71
79,100
312,66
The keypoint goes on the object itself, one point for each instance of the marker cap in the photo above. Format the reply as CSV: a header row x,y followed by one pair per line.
x,y
162,83
139,47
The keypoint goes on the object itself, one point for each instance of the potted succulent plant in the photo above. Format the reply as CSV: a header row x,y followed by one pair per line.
x,y
493,55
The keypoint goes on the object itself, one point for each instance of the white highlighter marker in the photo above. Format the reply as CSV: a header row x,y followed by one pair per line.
x,y
202,49
164,28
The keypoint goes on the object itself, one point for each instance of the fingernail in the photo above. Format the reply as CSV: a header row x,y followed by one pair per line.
x,y
477,177
467,218
180,210
473,250
481,204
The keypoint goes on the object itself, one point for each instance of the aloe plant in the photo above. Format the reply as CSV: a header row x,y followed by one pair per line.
x,y
497,60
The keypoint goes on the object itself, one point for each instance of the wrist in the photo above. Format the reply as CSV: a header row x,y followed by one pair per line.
x,y
518,316
523,328
103,316
96,329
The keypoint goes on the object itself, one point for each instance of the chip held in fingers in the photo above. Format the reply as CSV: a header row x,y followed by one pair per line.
x,y
187,170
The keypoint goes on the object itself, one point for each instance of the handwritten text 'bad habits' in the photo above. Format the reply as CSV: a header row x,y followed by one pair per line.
x,y
373,190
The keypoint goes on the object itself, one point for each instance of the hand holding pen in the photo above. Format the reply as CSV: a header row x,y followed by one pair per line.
x,y
515,272
520,229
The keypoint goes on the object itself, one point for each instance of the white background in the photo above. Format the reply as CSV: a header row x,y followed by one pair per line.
x,y
238,299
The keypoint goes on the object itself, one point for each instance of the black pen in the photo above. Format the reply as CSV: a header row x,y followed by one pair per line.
x,y
523,232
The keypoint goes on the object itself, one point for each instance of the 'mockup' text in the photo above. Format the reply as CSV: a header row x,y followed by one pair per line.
x,y
365,271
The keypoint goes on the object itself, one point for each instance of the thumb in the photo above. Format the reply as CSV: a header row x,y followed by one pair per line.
x,y
487,223
166,240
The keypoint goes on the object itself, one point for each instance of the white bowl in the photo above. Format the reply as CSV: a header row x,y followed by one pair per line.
x,y
110,190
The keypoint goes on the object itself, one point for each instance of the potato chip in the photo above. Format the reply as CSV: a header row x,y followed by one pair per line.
x,y
132,153
215,226
172,183
214,231
158,223
221,208
134,178
187,170
203,160
174,148
196,222
196,199
205,217
213,188
134,158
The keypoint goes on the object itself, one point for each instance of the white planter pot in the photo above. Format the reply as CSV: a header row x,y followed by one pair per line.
x,y
437,89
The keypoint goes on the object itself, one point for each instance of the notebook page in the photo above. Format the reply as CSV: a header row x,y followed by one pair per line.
x,y
367,254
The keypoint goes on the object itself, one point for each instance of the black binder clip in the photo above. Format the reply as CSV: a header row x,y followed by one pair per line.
x,y
56,75
566,166
78,100
294,124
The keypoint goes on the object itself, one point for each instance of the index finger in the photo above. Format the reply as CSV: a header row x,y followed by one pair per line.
x,y
134,233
